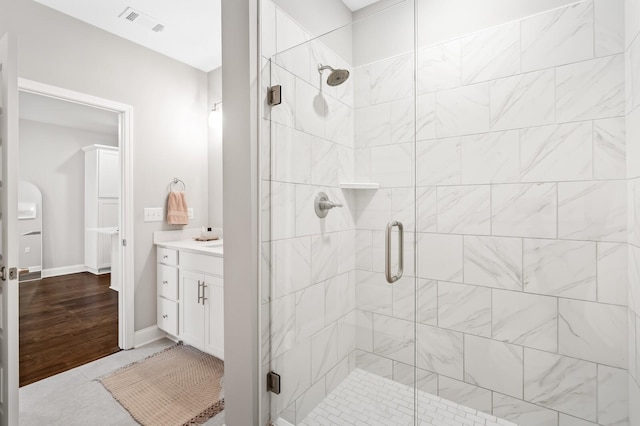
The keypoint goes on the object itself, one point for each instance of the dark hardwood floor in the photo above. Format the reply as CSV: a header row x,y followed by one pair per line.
x,y
65,322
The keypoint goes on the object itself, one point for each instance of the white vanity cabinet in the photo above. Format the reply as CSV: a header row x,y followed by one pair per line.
x,y
101,204
193,309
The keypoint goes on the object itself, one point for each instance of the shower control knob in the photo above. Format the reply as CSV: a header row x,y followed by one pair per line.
x,y
323,205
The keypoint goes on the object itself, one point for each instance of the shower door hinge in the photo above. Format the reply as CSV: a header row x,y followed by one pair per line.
x,y
273,382
274,95
124,243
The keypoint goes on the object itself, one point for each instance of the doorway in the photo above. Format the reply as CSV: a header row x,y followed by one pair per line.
x,y
86,262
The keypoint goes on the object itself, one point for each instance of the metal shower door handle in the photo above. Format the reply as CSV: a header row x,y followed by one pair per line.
x,y
387,269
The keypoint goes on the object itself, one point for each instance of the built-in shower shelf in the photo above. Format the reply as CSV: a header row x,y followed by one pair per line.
x,y
359,185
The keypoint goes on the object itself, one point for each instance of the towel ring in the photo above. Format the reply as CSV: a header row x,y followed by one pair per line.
x,y
176,181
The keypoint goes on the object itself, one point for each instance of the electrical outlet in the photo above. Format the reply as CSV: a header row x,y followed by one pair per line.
x,y
155,214
190,211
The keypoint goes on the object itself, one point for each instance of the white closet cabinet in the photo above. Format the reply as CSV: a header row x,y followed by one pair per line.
x,y
101,204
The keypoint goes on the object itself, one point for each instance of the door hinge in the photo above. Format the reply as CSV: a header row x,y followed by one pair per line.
x,y
13,273
273,382
124,243
274,96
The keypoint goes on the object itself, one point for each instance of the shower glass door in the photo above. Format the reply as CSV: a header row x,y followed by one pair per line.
x,y
339,198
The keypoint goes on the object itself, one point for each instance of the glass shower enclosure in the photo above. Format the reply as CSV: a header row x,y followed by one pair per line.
x,y
430,249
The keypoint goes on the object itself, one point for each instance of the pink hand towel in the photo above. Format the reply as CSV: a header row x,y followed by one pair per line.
x,y
177,210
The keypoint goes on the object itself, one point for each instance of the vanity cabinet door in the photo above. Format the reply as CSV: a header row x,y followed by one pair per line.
x,y
215,316
192,324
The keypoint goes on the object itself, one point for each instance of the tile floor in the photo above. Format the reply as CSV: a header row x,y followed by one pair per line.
x,y
75,397
365,399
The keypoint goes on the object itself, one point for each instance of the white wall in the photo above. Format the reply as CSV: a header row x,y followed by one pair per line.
x,y
214,82
51,157
169,102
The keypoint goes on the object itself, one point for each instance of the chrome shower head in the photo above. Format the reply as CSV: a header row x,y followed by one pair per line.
x,y
337,76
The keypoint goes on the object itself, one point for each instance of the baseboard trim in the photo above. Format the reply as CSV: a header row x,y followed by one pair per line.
x,y
64,270
148,335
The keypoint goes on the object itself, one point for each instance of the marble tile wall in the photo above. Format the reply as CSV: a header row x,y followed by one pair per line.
x,y
631,42
521,216
308,264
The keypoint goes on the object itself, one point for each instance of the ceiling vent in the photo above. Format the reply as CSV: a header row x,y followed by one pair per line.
x,y
141,19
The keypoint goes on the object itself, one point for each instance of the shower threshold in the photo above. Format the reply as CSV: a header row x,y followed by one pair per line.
x,y
366,399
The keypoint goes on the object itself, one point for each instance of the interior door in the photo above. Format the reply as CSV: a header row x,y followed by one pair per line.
x,y
9,240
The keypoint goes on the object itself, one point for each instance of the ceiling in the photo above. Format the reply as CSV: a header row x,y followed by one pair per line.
x,y
48,110
192,32
358,4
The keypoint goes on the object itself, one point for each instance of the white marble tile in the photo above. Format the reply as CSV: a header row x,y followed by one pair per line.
x,y
632,79
375,364
310,399
394,338
404,297
592,210
403,206
557,153
373,293
525,319
565,420
296,60
426,117
373,209
296,364
340,296
267,131
631,347
427,303
634,398
336,375
324,162
464,308
364,330
439,67
590,90
372,125
524,210
609,26
309,311
490,158
364,241
324,257
285,112
560,268
289,33
268,28
384,81
612,273
593,331
339,124
291,155
392,165
523,100
282,211
347,329
491,54
464,393
462,111
438,162
403,114
290,263
427,209
613,397
493,261
324,351
346,251
609,148
311,109
560,383
632,21
440,257
633,143
440,351
493,365
558,37
464,209
346,164
522,412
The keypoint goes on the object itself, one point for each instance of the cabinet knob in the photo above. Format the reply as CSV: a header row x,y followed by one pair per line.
x,y
165,316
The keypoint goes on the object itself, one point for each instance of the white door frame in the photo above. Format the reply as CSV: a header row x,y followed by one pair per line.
x,y
126,292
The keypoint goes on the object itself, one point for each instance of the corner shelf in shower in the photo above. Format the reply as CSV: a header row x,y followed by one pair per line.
x,y
359,185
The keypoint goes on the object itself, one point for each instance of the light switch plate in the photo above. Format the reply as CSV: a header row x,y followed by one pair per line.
x,y
190,211
155,214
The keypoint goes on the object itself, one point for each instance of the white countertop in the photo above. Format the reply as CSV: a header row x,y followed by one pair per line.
x,y
112,230
211,248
